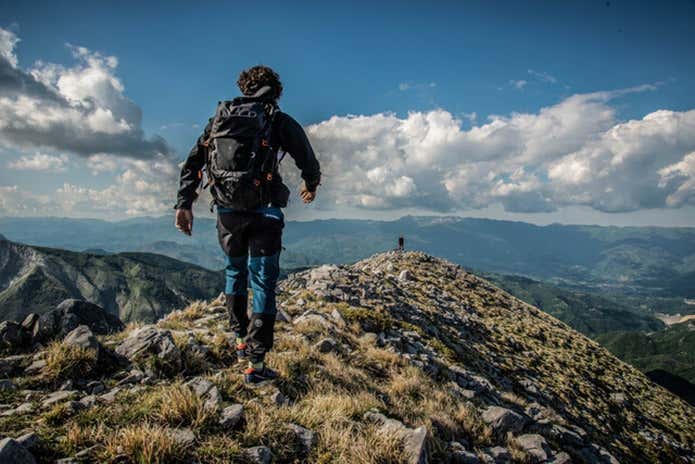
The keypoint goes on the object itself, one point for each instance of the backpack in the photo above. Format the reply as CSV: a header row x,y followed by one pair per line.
x,y
241,160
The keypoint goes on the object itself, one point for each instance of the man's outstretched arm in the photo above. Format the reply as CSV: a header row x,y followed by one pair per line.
x,y
294,141
189,181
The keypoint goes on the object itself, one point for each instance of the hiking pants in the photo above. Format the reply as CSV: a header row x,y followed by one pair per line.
x,y
252,244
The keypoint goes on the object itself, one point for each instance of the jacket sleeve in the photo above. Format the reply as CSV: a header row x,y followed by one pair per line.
x,y
294,141
190,172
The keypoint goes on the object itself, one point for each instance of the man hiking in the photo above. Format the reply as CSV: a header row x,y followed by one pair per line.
x,y
240,150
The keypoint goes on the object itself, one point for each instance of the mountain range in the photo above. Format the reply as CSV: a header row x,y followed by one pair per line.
x,y
644,260
134,286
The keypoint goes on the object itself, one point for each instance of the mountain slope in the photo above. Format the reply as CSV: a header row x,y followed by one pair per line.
x,y
400,358
585,312
671,349
136,286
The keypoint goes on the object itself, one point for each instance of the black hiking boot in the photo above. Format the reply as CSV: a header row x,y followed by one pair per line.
x,y
255,376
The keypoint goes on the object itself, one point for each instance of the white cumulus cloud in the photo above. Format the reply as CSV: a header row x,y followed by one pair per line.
x,y
40,162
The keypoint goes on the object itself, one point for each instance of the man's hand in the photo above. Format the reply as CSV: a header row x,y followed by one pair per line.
x,y
307,196
184,220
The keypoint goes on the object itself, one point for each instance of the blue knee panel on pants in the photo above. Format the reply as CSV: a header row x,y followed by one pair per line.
x,y
264,272
237,275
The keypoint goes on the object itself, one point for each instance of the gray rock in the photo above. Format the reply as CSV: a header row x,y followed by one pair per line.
x,y
258,455
231,416
71,313
11,366
7,384
405,276
35,367
503,420
535,446
282,316
278,398
89,401
30,441
561,458
313,317
95,387
67,461
305,436
24,408
206,391
500,454
81,337
110,396
414,440
415,445
184,437
134,376
57,397
29,321
12,336
11,452
326,345
153,344
338,318
460,455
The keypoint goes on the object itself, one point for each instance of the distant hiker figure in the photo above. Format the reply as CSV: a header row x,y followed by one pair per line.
x,y
401,243
240,150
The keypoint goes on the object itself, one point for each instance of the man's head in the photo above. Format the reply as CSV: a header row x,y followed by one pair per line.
x,y
252,79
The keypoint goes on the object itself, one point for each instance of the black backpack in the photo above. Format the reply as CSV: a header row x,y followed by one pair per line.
x,y
242,161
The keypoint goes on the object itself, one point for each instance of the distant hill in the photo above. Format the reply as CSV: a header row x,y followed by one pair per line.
x,y
136,286
671,349
585,312
652,260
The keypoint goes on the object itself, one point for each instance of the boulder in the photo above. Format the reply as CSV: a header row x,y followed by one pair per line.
x,y
414,440
561,458
152,348
81,337
12,336
29,321
30,441
499,454
258,455
231,416
13,452
184,437
405,276
503,420
305,436
535,446
72,313
57,397
206,391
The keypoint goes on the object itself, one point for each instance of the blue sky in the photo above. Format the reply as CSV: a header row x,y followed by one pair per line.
x,y
470,60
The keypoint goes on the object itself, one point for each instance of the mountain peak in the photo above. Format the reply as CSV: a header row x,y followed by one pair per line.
x,y
401,357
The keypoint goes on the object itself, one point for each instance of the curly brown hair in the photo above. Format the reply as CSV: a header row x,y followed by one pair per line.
x,y
252,79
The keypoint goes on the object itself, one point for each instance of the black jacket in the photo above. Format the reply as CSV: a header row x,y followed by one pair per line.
x,y
292,139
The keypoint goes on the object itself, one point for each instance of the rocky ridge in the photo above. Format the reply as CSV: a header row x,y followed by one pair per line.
x,y
401,357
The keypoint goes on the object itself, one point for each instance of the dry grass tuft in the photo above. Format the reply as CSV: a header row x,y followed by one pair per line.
x,y
68,362
177,405
144,444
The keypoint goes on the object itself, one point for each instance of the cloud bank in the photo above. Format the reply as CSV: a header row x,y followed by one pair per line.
x,y
79,110
572,153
